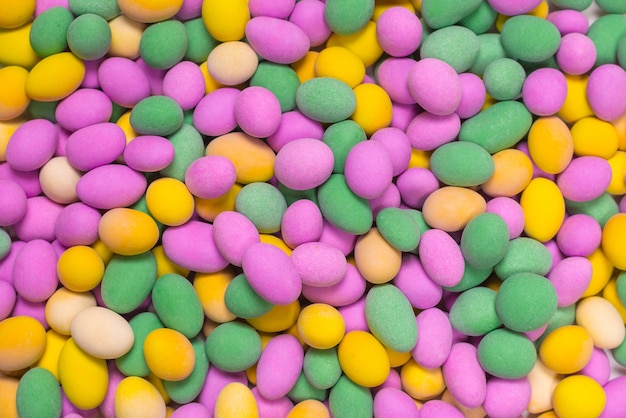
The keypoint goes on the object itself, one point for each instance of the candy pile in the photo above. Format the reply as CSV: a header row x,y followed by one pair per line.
x,y
347,208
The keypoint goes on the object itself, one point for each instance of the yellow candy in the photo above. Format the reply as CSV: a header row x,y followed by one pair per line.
x,y
128,231
373,108
377,261
512,173
363,43
620,126
50,358
602,321
544,209
549,414
596,137
226,20
578,396
208,209
550,144
601,271
103,251
158,384
576,105
15,47
321,326
149,11
80,268
477,412
309,408
421,383
13,98
451,208
613,240
340,63
15,13
124,123
396,358
125,37
419,159
55,77
542,382
22,342
363,359
279,318
169,354
136,397
165,265
211,288
253,158
610,293
63,305
382,5
305,67
209,81
8,393
618,170
275,241
169,201
84,378
236,400
567,349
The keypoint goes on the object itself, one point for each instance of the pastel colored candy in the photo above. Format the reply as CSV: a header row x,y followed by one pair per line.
x,y
111,186
268,36
275,377
304,164
148,153
95,145
91,326
32,145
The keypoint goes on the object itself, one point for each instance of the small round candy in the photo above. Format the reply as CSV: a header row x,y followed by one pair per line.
x,y
142,11
578,395
210,177
80,268
399,31
340,63
15,208
544,91
363,359
320,326
151,47
435,86
169,354
504,78
506,354
89,36
576,54
257,111
304,164
232,63
233,346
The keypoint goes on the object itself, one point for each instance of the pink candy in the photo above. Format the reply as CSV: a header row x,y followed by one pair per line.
x,y
465,378
148,153
257,111
193,247
304,164
233,234
123,81
544,91
185,84
111,186
210,177
95,145
302,222
34,271
605,88
435,338
398,31
391,402
277,40
585,178
275,376
435,86
570,277
435,245
368,169
319,264
14,198
32,145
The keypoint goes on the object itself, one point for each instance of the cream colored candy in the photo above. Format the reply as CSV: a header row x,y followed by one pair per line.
x,y
125,37
58,180
232,63
63,305
102,333
542,383
603,322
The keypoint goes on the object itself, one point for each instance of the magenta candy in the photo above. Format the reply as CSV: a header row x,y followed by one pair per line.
x,y
6,264
308,15
438,409
276,376
271,273
302,222
354,316
389,74
605,89
435,338
398,147
123,81
465,378
90,81
535,334
43,5
294,125
7,299
368,169
598,367
393,381
72,411
509,210
350,289
13,207
399,31
569,21
185,84
36,310
615,399
215,113
233,234
579,235
473,97
570,277
428,131
257,111
435,245
391,402
34,271
435,86
280,9
77,224
82,108
576,54
319,264
148,153
39,220
155,77
215,381
544,91
111,186
191,410
210,177
390,198
585,178
403,114
509,8
272,408
32,144
190,10
95,145
421,291
338,238
277,40
304,164
27,180
507,397
193,247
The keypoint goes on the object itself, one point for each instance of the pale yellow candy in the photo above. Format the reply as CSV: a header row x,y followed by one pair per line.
x,y
149,11
102,333
137,397
602,321
15,47
542,382
236,400
544,209
169,201
50,358
55,77
377,261
8,392
421,383
13,98
211,288
84,377
58,180
63,305
125,37
232,63
22,342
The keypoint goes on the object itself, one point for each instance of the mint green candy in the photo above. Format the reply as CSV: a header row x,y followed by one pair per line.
x,y
128,281
177,304
481,19
133,363
233,346
619,354
490,50
201,43
500,126
456,45
263,204
303,389
188,147
349,400
612,6
281,80
390,317
107,9
485,240
572,4
321,367
164,44
526,302
504,79
621,52
563,316
606,33
461,164
346,17
89,36
419,218
241,299
294,195
39,395
601,208
472,277
474,312
5,243
342,208
621,287
525,255
530,38
399,228
438,14
325,99
340,138
48,34
186,390
506,354
156,115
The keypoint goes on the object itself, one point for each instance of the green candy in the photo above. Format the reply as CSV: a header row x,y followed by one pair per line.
x,y
506,354
621,287
39,395
481,19
500,126
43,110
601,208
281,80
164,44
399,228
419,218
241,299
346,17
127,281
107,9
303,389
188,147
606,33
340,138
390,317
612,6
456,45
342,208
530,38
321,367
89,36
117,112
526,302
461,164
563,316
472,277
621,52
490,50
349,400
572,4
504,79
525,255
619,354
48,34
177,304
263,204
5,243
474,312
294,195
156,115
485,240
325,99
133,363
201,43
438,13
186,390
233,346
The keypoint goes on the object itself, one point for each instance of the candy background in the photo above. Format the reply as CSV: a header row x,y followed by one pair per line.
x,y
279,208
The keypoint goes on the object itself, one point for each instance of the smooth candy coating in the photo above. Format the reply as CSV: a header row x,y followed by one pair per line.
x,y
233,346
150,12
80,268
388,72
340,63
567,349
23,342
34,271
600,318
39,220
281,80
368,169
15,209
437,408
455,45
578,394
427,131
485,240
346,18
134,394
507,397
16,15
243,301
506,354
128,231
227,224
544,209
512,172
110,186
77,224
215,113
127,281
169,354
169,201
13,99
434,340
461,164
225,22
123,81
390,317
185,84
504,78
435,86
530,38
451,208
605,81
232,63
63,305
295,232
347,291
58,180
614,403
148,153
211,289
464,376
398,146
579,235
257,111
605,33
585,178
439,14
84,378
38,394
393,22
319,264
569,21
544,91
342,208
373,107
326,99
474,312
581,134
434,243
421,383
277,40
82,108
32,144
571,277
375,258
133,363
363,359
341,137
399,228
89,36
235,399
95,145
473,95
263,204
390,402
101,333
321,367
177,304
163,44
309,16
576,54
550,144
156,115
201,43
613,228
275,376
